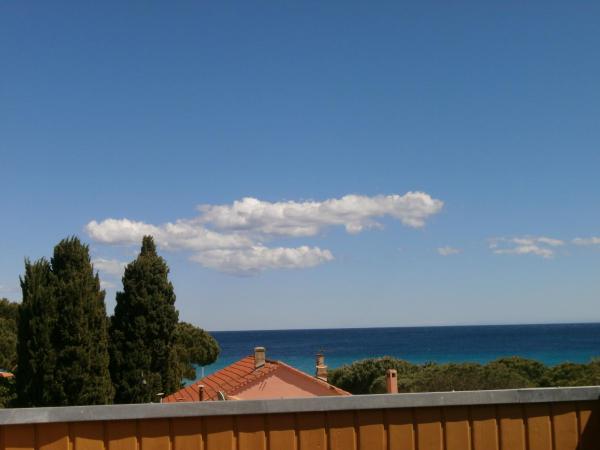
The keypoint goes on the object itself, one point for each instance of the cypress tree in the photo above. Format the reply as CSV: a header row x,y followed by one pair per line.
x,y
80,334
36,358
142,334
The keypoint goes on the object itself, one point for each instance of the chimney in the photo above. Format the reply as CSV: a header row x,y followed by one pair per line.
x,y
391,381
321,368
259,357
201,392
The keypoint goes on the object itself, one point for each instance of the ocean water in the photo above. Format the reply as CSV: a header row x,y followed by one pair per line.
x,y
550,344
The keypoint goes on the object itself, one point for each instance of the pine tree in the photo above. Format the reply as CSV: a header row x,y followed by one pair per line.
x,y
142,334
194,347
80,334
36,358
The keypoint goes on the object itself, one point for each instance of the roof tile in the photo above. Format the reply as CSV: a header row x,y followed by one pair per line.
x,y
235,376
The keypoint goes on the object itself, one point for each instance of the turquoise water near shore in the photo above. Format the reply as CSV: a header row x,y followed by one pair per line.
x,y
550,344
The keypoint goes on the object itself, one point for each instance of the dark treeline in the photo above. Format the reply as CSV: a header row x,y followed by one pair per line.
x,y
9,313
65,350
368,376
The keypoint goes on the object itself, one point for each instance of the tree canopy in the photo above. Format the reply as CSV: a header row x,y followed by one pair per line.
x,y
37,318
194,346
80,336
9,313
65,351
368,376
63,331
142,332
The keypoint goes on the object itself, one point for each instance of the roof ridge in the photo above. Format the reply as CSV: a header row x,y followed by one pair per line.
x,y
316,379
234,377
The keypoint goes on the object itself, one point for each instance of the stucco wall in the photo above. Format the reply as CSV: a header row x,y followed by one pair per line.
x,y
283,384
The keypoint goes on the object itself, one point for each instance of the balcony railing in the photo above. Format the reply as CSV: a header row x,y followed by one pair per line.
x,y
525,419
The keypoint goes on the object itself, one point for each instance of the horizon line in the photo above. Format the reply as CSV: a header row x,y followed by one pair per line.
x,y
595,322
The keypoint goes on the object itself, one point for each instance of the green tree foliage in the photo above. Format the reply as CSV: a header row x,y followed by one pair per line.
x,y
368,376
194,346
359,377
467,376
593,376
9,313
7,392
533,371
570,374
80,337
143,355
63,332
36,357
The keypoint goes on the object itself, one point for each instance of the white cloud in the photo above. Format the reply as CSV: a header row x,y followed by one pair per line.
x,y
587,241
550,241
447,251
119,231
183,234
527,245
258,258
109,266
355,212
231,237
104,284
110,270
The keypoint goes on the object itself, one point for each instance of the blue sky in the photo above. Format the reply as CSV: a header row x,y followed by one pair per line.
x,y
145,110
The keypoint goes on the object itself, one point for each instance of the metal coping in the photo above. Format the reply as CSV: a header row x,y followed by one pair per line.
x,y
294,405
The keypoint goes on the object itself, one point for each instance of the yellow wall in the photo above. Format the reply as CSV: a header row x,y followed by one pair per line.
x,y
558,426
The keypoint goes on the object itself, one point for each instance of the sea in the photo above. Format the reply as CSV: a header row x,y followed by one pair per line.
x,y
551,344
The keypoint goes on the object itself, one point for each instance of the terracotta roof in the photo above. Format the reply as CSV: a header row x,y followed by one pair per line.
x,y
6,375
337,390
233,378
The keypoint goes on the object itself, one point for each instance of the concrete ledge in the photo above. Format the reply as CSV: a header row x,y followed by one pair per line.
x,y
357,402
